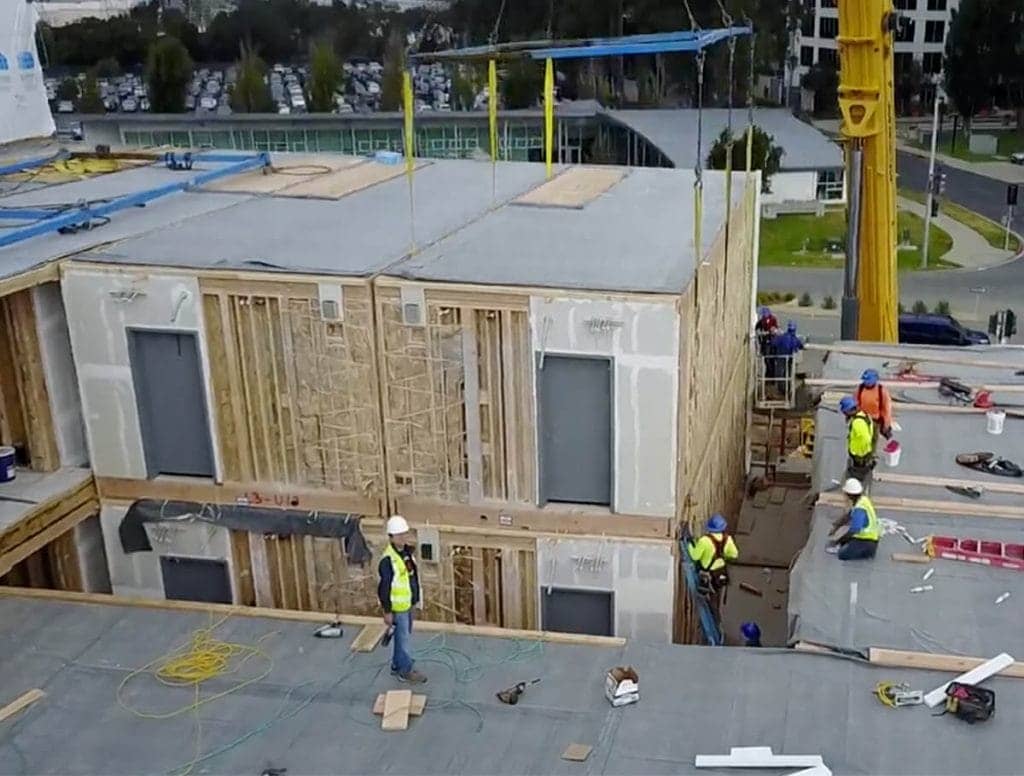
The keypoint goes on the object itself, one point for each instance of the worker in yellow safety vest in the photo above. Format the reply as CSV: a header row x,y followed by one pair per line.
x,y
399,591
860,440
860,541
710,553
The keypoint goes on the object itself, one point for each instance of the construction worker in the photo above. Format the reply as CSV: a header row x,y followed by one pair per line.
x,y
784,348
861,538
751,634
710,553
860,440
873,398
765,328
399,592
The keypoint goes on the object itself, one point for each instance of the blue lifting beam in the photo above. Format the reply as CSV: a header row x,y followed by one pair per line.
x,y
708,624
70,217
30,164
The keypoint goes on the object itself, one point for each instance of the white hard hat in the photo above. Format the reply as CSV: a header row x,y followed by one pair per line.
x,y
397,525
852,487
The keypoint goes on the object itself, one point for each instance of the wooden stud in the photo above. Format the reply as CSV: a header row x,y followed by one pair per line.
x,y
396,710
241,563
21,702
262,583
942,482
416,707
471,367
221,366
309,564
897,658
369,637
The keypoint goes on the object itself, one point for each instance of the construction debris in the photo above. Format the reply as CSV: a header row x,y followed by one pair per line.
x,y
511,695
905,557
747,587
622,686
395,715
927,575
763,757
1002,598
969,703
577,753
921,589
21,702
897,694
416,706
368,638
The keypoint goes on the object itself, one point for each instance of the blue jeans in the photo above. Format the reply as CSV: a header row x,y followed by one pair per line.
x,y
857,549
401,660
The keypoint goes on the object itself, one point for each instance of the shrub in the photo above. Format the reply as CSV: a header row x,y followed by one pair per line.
x,y
829,303
942,307
789,296
900,308
919,307
805,300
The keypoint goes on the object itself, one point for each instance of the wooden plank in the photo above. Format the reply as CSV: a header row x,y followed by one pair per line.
x,y
416,707
247,389
242,572
47,513
263,392
574,188
948,508
36,542
309,564
47,273
909,557
577,753
479,604
313,617
942,482
301,578
369,637
346,181
471,383
898,658
776,495
512,419
262,583
232,367
396,710
937,358
221,367
324,575
511,598
23,701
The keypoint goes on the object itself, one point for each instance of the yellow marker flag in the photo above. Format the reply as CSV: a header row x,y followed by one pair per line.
x,y
410,145
549,113
492,106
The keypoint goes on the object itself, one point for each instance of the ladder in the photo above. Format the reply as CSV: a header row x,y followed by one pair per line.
x,y
987,553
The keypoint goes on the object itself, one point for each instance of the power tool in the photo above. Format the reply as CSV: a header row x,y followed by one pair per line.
x,y
511,695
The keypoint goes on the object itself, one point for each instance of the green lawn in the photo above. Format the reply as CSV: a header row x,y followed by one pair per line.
x,y
802,241
1008,142
993,233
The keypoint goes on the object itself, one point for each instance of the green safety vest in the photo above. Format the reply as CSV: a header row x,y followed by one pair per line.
x,y
401,586
872,532
860,440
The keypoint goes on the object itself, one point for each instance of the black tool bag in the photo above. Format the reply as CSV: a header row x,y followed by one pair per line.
x,y
970,702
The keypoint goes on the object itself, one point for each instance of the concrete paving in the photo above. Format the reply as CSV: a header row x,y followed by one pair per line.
x,y
970,250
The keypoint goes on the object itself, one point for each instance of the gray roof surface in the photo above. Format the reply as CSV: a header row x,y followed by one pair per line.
x,y
638,236
960,615
674,133
311,713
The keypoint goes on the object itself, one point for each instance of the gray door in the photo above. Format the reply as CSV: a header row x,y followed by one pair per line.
x,y
171,401
195,579
578,611
574,416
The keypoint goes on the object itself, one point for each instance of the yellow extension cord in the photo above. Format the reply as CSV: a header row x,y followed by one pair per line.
x,y
202,659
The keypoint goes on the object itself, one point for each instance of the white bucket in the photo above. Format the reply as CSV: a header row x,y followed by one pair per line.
x,y
892,452
995,419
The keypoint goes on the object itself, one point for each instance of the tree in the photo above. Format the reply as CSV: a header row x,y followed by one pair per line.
x,y
465,87
67,89
250,93
908,87
765,155
324,76
522,84
108,67
823,80
971,64
168,72
91,101
391,78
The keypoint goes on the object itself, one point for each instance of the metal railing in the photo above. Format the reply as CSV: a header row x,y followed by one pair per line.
x,y
774,380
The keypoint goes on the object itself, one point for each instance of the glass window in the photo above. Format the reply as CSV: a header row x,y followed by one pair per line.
x,y
936,5
934,31
902,61
828,57
828,27
807,23
906,5
905,29
807,55
828,3
830,185
932,62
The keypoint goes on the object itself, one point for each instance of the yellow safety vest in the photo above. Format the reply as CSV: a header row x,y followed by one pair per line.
x,y
872,531
705,552
860,440
401,586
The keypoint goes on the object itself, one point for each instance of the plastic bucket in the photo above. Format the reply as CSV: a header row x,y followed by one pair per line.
x,y
6,464
995,419
892,453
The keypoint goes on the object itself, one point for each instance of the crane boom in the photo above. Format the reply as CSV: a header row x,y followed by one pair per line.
x,y
866,102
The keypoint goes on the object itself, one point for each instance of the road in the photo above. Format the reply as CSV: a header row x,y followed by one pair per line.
x,y
972,294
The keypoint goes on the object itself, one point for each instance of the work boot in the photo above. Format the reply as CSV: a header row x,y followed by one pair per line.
x,y
412,677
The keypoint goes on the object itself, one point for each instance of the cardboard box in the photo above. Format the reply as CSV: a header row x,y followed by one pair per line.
x,y
622,686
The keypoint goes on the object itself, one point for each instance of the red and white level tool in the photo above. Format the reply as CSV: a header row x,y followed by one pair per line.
x,y
987,553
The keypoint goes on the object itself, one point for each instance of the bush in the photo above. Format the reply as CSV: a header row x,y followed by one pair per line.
x,y
942,308
900,308
789,296
919,307
805,300
829,303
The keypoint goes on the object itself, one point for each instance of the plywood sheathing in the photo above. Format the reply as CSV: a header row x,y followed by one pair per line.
x,y
25,414
573,188
300,169
347,181
295,395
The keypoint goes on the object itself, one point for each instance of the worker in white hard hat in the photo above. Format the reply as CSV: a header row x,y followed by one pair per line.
x,y
399,593
860,541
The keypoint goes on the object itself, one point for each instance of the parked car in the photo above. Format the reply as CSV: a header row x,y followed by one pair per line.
x,y
1017,158
935,329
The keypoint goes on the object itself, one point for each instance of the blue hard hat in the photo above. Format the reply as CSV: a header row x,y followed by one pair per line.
x,y
765,312
750,631
791,326
847,404
717,523
869,378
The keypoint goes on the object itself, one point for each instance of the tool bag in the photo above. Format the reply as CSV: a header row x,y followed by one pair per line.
x,y
970,702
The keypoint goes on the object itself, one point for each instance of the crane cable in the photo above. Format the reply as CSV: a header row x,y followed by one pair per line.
x,y
698,183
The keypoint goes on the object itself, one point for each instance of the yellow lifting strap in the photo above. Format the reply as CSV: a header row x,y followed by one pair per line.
x,y
407,108
549,114
492,106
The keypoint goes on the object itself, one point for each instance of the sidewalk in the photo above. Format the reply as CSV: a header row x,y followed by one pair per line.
x,y
1001,171
970,250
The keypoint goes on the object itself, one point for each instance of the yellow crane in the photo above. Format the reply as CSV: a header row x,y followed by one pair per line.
x,y
866,102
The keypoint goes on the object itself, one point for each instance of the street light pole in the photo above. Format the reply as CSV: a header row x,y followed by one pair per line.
x,y
931,180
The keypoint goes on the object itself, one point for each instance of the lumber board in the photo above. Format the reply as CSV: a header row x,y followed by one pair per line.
x,y
263,587
948,508
574,188
38,541
942,482
898,658
396,710
909,557
276,179
910,385
938,358
46,513
21,702
369,637
47,273
416,706
105,599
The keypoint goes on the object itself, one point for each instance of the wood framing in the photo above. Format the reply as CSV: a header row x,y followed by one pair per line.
x,y
295,393
936,358
311,617
25,416
948,508
942,482
46,273
55,565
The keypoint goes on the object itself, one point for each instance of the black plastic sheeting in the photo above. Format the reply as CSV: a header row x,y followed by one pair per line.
x,y
281,522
